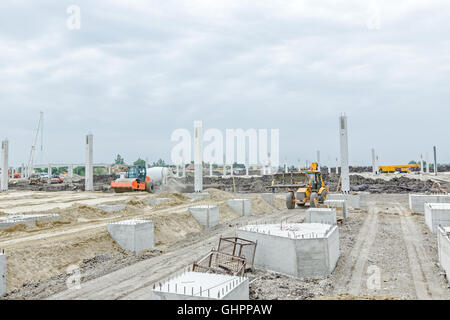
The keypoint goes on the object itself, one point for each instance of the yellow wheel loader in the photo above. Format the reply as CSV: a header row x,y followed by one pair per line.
x,y
305,187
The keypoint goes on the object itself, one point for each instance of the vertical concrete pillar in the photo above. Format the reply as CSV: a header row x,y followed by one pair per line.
x,y
71,171
329,164
269,167
373,162
345,177
377,170
231,170
183,171
198,159
4,177
318,160
428,163
337,166
210,169
421,164
435,161
246,170
2,274
89,169
49,173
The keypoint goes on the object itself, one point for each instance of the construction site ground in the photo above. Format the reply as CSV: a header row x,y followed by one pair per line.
x,y
385,238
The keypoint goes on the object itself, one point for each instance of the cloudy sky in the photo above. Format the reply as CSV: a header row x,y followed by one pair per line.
x,y
137,70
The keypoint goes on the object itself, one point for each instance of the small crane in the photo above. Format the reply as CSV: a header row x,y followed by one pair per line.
x,y
33,147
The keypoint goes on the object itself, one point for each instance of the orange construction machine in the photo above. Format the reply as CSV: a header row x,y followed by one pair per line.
x,y
135,179
404,168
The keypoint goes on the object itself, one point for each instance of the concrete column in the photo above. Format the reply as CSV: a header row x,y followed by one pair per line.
x,y
428,163
231,170
49,173
345,177
377,171
183,171
318,160
89,169
71,171
329,164
210,169
4,177
421,164
2,274
269,167
435,161
373,162
246,170
198,156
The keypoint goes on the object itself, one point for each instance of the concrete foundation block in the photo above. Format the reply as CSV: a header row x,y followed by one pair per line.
x,y
157,201
2,274
301,250
321,215
27,219
342,204
268,197
198,195
206,215
242,207
133,235
417,201
352,200
444,248
112,207
437,214
202,286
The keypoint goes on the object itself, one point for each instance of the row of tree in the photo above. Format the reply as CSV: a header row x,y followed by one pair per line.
x,y
141,162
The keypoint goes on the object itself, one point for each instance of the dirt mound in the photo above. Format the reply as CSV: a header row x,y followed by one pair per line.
x,y
218,195
347,296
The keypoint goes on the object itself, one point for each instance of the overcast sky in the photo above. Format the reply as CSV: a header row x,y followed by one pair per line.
x,y
137,70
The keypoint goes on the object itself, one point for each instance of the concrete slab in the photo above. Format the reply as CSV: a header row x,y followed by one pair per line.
x,y
300,250
437,214
133,235
417,201
242,207
444,248
321,215
112,207
353,200
206,215
27,219
198,195
268,197
342,204
202,286
2,274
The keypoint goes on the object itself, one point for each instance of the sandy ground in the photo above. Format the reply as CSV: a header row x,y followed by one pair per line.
x,y
385,242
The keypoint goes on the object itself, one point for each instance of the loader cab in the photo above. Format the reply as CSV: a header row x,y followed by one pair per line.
x,y
137,172
315,180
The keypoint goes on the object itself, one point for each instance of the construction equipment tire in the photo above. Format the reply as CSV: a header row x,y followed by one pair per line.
x,y
290,204
313,200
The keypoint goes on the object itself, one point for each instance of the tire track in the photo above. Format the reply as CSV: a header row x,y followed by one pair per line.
x,y
354,268
425,279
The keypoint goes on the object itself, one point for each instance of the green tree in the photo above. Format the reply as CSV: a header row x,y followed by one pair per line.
x,y
119,160
139,162
159,163
412,162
